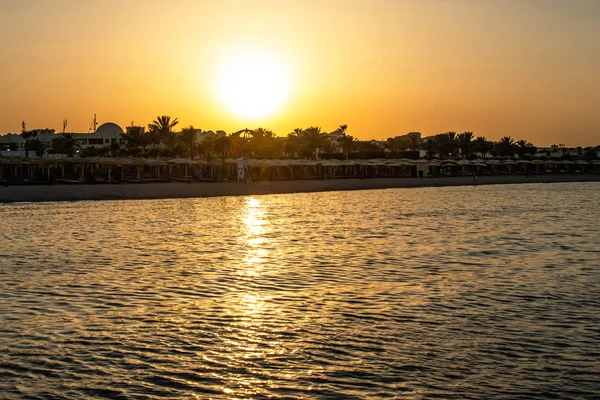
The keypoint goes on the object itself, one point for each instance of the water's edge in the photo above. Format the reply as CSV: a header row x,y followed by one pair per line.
x,y
15,194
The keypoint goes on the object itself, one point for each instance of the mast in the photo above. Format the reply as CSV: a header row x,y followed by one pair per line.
x,y
93,127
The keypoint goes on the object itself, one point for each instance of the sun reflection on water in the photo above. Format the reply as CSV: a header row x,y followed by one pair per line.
x,y
250,305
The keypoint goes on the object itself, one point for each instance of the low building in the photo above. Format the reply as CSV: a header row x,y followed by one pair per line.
x,y
15,142
107,134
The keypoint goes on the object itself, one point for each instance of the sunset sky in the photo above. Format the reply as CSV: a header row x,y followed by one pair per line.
x,y
526,69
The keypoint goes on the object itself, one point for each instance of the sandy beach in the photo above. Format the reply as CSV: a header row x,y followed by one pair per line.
x,y
9,194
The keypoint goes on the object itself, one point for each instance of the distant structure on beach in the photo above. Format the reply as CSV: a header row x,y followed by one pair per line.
x,y
106,134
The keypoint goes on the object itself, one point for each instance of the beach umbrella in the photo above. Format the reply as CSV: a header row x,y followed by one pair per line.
x,y
158,163
582,162
566,162
181,161
538,162
524,162
463,162
493,162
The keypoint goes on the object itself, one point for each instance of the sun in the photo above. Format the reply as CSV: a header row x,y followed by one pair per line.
x,y
252,84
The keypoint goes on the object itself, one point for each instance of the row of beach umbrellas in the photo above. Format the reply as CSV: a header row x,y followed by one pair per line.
x,y
287,162
483,163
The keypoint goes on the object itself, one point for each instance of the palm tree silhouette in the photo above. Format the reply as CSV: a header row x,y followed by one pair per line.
x,y
188,138
464,142
163,126
506,147
65,144
346,142
313,139
135,136
523,147
27,135
414,142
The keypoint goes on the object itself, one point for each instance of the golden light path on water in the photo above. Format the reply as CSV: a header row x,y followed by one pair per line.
x,y
251,303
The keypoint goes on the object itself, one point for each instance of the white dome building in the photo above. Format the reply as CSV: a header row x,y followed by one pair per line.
x,y
109,129
106,134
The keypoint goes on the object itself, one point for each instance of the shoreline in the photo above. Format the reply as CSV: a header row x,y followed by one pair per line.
x,y
82,192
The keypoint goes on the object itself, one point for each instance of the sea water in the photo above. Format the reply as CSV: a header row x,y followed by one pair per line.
x,y
458,292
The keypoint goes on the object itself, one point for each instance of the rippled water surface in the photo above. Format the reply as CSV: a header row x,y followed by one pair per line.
x,y
462,292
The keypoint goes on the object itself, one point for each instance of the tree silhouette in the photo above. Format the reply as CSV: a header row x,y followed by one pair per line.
x,y
506,147
465,143
313,139
482,145
65,144
414,142
523,148
37,146
347,143
163,127
134,137
27,135
188,138
397,144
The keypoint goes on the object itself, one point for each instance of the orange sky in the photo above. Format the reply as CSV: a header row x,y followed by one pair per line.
x,y
527,69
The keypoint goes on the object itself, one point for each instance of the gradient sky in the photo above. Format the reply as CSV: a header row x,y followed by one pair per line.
x,y
527,69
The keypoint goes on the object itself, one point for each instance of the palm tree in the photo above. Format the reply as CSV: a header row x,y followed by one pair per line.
x,y
465,142
263,143
153,135
452,145
506,147
313,139
27,135
37,146
65,144
346,142
523,148
188,138
293,143
222,145
163,126
431,147
342,129
414,141
482,145
135,136
442,141
397,144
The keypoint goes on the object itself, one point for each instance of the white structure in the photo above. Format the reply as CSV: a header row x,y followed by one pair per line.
x,y
106,134
16,141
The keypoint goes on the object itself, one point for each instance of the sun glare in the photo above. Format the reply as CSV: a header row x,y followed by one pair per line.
x,y
253,84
